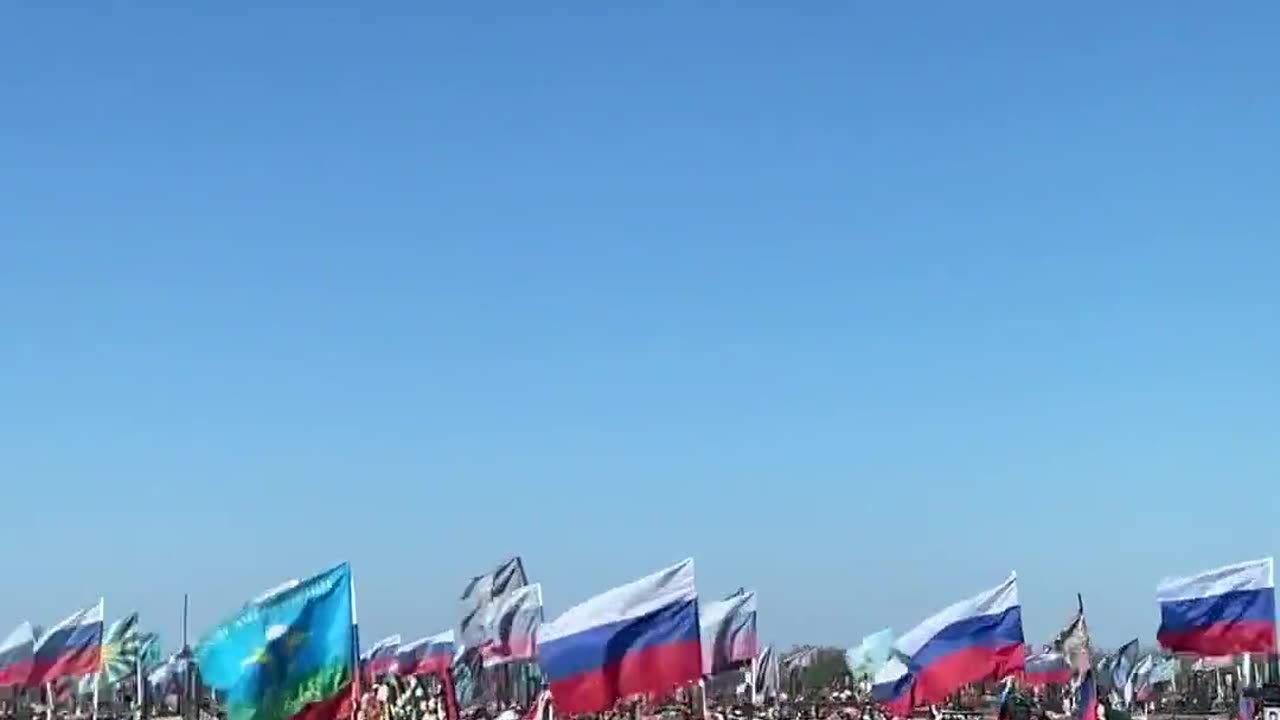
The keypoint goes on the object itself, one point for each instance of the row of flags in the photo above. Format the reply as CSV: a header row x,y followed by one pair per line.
x,y
1224,611
293,650
501,621
292,653
72,648
78,657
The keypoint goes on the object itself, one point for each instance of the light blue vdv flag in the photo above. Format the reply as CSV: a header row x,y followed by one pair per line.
x,y
871,654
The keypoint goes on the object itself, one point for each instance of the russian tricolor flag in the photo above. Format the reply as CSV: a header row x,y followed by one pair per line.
x,y
430,655
971,640
635,639
893,688
1086,698
72,648
16,655
1226,611
381,658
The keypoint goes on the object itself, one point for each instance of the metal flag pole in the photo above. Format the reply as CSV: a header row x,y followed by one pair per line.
x,y
138,689
357,678
188,678
97,677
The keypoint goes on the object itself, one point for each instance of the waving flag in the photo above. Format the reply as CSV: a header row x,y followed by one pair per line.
x,y
122,647
871,654
728,632
1047,668
893,688
473,632
1122,663
765,675
511,626
430,655
1225,611
973,639
639,638
72,648
16,654
381,658
1073,640
287,656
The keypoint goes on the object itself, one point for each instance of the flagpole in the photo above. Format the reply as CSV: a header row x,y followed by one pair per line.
x,y
138,690
751,679
187,675
97,677
357,677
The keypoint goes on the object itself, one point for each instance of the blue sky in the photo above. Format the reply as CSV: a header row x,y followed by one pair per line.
x,y
859,304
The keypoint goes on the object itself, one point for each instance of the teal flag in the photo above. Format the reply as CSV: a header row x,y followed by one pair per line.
x,y
870,655
288,653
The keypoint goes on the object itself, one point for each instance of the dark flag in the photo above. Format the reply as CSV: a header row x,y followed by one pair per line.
x,y
480,593
1126,658
1073,640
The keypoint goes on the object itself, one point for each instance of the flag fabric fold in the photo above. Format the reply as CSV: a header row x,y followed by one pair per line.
x,y
728,632
765,675
1224,611
975,638
511,626
72,648
289,655
480,592
17,653
642,637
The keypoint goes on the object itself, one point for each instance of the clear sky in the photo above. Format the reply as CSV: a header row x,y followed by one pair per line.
x,y
862,305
